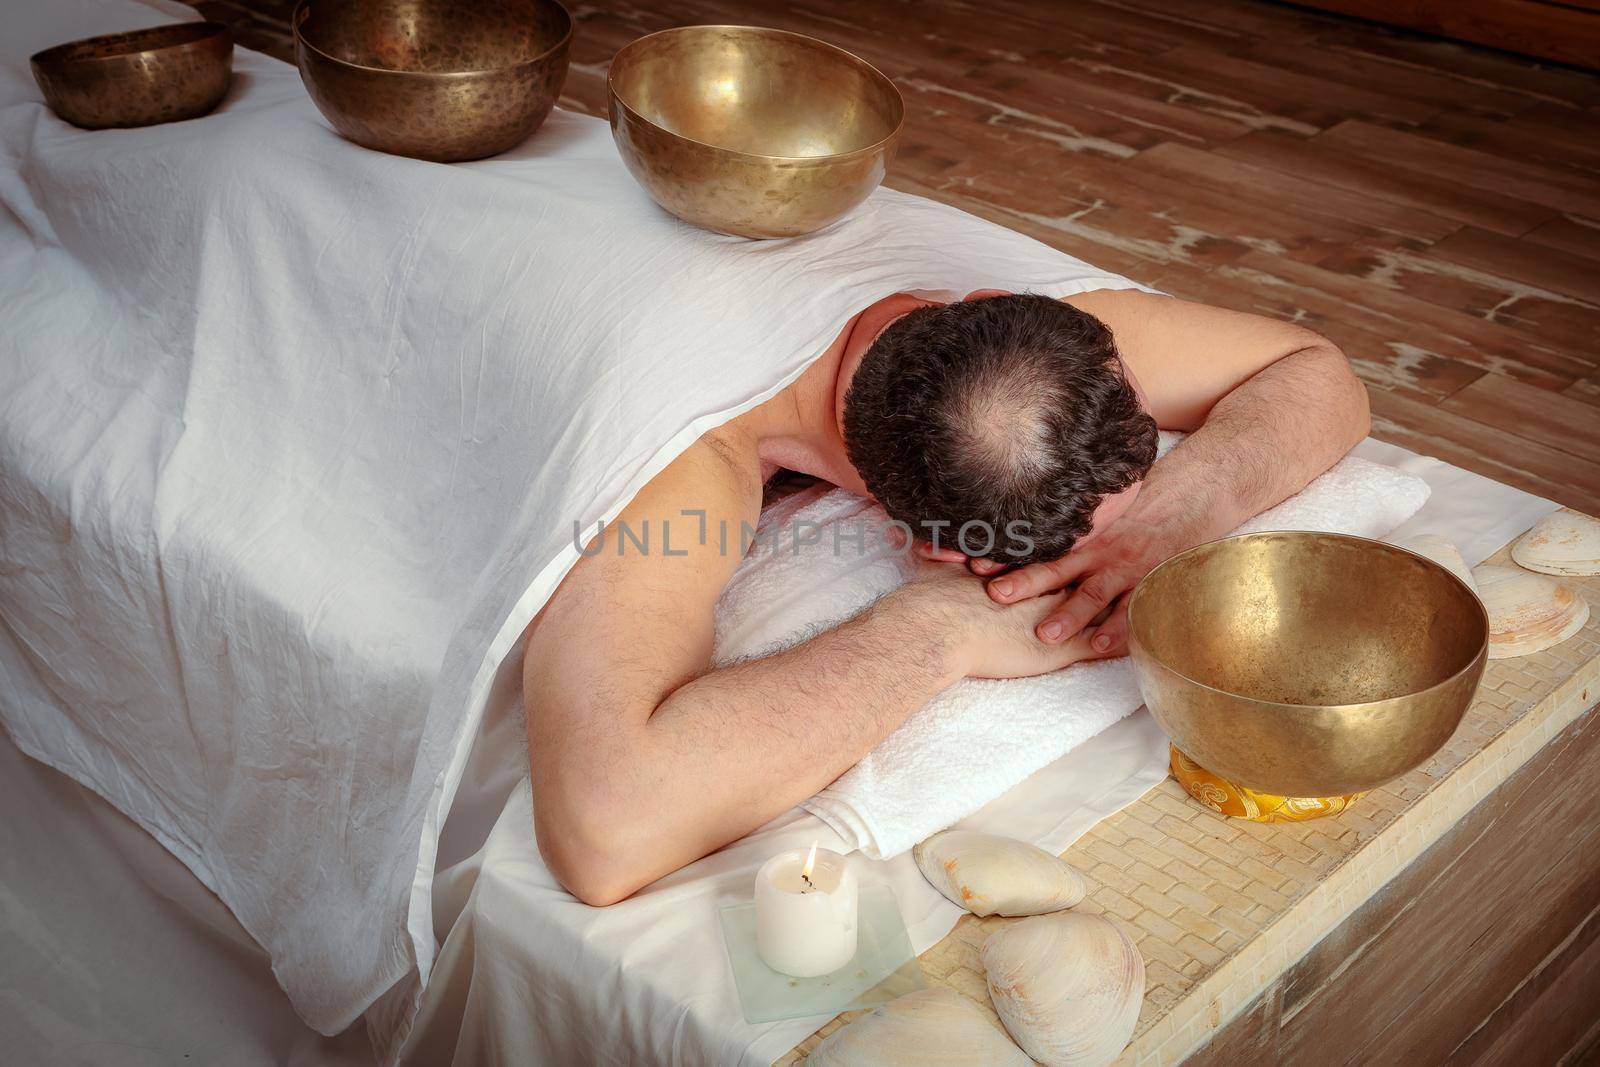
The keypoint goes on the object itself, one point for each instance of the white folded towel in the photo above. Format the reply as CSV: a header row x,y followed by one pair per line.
x,y
978,738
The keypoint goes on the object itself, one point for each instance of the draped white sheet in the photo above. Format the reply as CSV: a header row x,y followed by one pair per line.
x,y
293,439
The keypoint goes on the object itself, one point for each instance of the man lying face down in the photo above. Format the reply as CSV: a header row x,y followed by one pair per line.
x,y
1028,420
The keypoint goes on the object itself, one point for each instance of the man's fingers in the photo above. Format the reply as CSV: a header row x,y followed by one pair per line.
x,y
1087,601
945,554
1110,638
1037,578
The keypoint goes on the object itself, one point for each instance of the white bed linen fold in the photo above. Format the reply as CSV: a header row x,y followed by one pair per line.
x,y
293,438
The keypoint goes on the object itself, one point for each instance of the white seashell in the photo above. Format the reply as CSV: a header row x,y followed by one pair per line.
x,y
1527,612
936,1027
1067,987
991,875
1443,552
1562,543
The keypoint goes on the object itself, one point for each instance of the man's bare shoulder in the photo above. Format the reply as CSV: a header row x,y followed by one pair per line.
x,y
1125,307
675,544
729,453
719,474
1187,355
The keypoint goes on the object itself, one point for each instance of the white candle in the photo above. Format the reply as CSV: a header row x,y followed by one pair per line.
x,y
806,912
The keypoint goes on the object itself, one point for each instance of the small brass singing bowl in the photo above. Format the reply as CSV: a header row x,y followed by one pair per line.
x,y
1306,664
750,131
443,80
138,78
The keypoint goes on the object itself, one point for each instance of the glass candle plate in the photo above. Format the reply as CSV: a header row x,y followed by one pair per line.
x,y
884,967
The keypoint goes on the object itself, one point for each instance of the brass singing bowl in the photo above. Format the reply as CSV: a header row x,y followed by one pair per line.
x,y
1306,664
750,131
444,80
139,78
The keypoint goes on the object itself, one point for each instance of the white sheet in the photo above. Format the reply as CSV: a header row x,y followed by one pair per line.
x,y
293,438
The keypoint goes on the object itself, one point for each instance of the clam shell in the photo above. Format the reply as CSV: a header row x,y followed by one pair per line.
x,y
1527,612
1563,543
1443,552
928,1028
991,875
1067,987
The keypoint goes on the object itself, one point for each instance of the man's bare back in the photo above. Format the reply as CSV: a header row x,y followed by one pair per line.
x,y
643,758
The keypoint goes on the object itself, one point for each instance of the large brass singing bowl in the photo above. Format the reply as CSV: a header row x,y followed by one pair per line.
x,y
139,78
749,131
445,80
1306,664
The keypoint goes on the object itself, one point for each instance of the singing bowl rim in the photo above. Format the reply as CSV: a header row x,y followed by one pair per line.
x,y
1474,662
56,58
879,145
302,11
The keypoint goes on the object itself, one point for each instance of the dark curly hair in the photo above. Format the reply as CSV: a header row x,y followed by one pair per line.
x,y
1011,409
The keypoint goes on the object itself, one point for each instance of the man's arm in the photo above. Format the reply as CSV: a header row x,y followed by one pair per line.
x,y
1269,406
643,759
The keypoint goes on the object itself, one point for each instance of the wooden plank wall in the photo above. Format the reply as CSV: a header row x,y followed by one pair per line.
x,y
1432,207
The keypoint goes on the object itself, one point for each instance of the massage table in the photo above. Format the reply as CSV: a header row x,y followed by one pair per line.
x,y
488,956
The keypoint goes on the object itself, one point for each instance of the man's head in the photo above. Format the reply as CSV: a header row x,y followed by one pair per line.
x,y
1008,409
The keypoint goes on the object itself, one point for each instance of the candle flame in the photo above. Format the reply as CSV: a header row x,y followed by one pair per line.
x,y
811,860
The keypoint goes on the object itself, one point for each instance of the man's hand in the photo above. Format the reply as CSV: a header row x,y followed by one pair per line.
x,y
990,638
1093,617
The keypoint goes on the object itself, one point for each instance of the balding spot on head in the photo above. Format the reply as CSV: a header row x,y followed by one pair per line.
x,y
1001,426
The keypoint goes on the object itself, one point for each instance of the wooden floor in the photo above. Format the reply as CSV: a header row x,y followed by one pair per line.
x,y
1434,208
